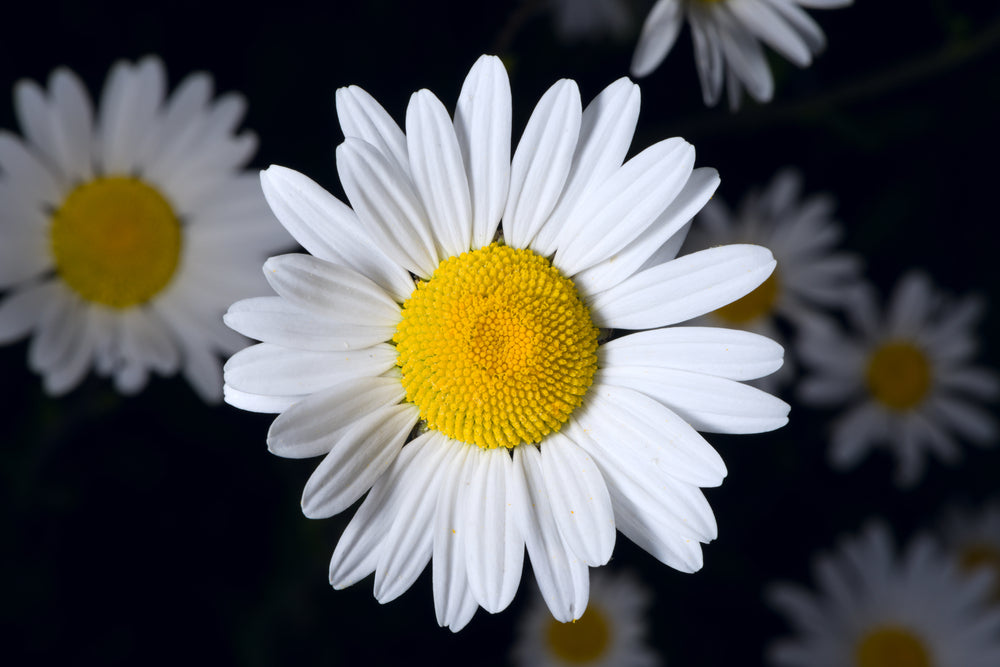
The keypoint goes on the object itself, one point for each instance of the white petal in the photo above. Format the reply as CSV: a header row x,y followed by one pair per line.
x,y
686,287
315,424
579,498
706,402
25,253
767,24
563,578
33,180
357,459
623,207
494,548
542,162
281,371
408,542
22,310
726,353
271,319
362,117
663,237
383,197
329,229
439,173
606,130
257,402
483,128
332,290
358,549
129,104
659,32
454,605
635,423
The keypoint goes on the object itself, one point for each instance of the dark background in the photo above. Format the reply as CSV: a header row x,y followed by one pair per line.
x,y
154,529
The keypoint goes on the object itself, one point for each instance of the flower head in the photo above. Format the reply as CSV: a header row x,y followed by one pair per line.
x,y
459,369
905,377
875,608
727,36
125,236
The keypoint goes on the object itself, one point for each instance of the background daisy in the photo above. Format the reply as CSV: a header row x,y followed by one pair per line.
x,y
611,633
874,608
972,537
536,432
126,233
813,276
904,378
727,36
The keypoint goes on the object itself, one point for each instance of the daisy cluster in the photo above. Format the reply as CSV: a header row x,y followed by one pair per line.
x,y
517,333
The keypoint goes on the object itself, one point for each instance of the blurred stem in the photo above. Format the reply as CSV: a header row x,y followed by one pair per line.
x,y
514,23
950,56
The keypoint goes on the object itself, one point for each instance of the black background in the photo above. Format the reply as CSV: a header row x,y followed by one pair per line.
x,y
155,529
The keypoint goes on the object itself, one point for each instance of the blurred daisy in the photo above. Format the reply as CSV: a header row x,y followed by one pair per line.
x,y
877,609
532,430
811,276
124,237
727,37
590,19
611,633
905,377
973,538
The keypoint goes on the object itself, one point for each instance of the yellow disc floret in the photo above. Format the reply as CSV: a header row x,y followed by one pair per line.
x,y
891,646
496,348
899,375
582,642
758,303
116,241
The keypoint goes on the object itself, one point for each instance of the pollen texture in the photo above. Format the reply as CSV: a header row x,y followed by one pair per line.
x,y
496,348
116,241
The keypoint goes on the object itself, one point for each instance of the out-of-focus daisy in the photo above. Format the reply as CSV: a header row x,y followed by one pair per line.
x,y
973,538
412,324
124,237
904,377
611,633
875,608
811,276
590,19
727,36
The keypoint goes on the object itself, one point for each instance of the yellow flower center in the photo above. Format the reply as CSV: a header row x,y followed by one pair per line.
x,y
116,241
583,641
496,348
891,646
757,303
899,375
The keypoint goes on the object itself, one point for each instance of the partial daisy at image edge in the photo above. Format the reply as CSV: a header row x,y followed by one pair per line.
x,y
129,230
455,375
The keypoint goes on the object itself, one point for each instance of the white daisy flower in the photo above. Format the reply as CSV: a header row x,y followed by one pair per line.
x,y
877,609
532,431
906,378
811,277
589,19
727,36
973,538
125,236
611,633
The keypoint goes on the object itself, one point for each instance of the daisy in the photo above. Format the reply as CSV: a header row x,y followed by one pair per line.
x,y
905,378
589,19
812,276
460,308
727,36
973,538
879,609
123,237
611,633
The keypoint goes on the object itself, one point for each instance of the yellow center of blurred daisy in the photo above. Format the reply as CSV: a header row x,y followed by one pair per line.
x,y
116,241
899,375
496,348
891,646
756,304
583,641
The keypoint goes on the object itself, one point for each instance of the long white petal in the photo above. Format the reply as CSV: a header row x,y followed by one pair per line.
x,y
659,32
362,117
